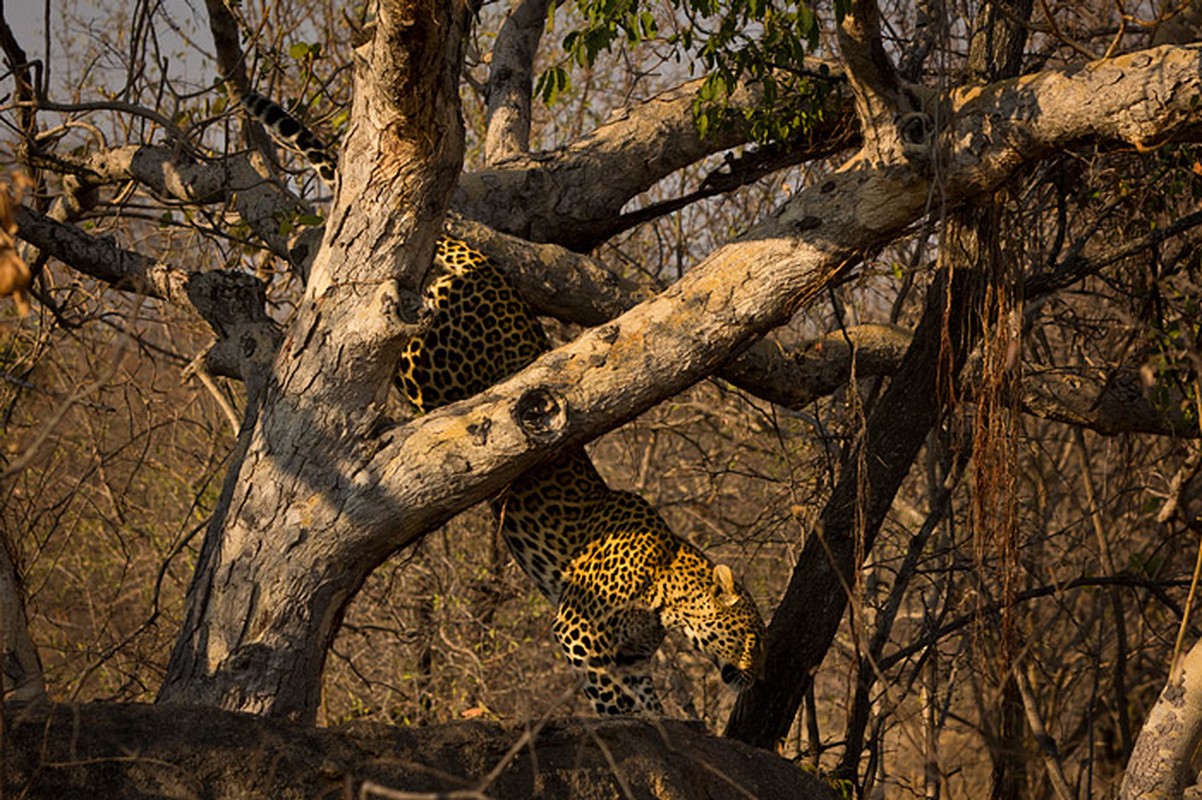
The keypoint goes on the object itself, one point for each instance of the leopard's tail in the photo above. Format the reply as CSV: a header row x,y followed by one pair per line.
x,y
291,133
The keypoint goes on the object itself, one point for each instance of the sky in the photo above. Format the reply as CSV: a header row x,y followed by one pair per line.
x,y
78,26
25,17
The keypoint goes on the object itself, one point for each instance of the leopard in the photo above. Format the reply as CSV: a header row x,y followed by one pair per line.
x,y
615,573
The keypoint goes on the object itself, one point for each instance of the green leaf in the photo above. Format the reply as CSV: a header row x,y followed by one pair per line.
x,y
731,40
552,83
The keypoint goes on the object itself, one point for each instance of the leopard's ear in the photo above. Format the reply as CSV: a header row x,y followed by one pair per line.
x,y
724,579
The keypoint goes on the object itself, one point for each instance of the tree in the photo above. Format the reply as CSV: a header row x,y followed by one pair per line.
x,y
1066,177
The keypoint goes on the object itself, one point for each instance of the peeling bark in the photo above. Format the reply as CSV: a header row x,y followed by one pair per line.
x,y
1159,767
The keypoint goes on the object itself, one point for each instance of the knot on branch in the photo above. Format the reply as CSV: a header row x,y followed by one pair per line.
x,y
234,304
401,311
409,306
79,196
540,414
226,299
917,131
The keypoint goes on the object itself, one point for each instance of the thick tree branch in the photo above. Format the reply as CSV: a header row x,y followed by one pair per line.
x,y
873,79
1109,401
999,34
102,259
163,170
577,289
130,751
734,173
231,61
167,173
511,81
572,196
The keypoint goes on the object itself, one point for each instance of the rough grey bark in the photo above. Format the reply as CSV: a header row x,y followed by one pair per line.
x,y
999,34
167,172
279,560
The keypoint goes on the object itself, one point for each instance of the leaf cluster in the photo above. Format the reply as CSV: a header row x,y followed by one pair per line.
x,y
733,41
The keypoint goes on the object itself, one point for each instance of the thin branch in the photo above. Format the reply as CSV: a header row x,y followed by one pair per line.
x,y
987,610
1047,744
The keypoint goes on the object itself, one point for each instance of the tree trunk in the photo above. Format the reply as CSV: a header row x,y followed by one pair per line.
x,y
1009,774
809,615
286,548
1159,768
135,752
325,488
21,678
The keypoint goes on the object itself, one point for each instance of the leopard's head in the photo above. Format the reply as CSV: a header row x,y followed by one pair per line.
x,y
722,620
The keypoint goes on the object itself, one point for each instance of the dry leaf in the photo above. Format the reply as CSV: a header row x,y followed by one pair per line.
x,y
15,275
